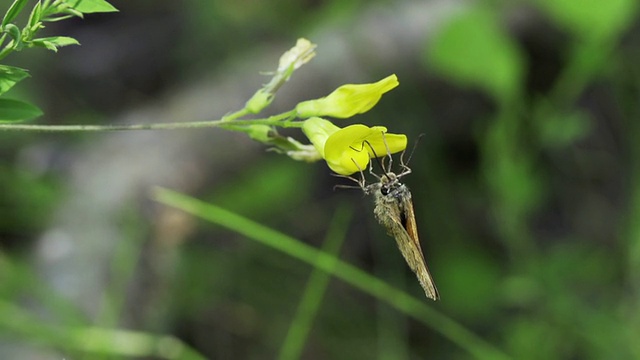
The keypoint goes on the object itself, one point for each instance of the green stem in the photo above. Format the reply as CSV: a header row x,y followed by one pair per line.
x,y
7,50
3,38
314,292
274,120
111,342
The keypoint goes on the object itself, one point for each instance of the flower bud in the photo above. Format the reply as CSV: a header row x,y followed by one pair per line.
x,y
347,100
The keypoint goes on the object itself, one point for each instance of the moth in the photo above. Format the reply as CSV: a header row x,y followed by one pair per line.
x,y
394,210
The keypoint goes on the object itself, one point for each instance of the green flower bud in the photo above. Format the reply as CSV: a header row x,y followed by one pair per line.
x,y
260,100
261,133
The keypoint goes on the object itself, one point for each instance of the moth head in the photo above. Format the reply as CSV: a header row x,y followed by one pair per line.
x,y
388,178
387,182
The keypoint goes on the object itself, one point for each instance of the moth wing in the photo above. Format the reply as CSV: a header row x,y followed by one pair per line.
x,y
406,234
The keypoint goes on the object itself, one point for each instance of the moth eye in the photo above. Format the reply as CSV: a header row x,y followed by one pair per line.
x,y
384,190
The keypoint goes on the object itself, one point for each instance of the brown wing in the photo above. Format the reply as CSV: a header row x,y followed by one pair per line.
x,y
406,235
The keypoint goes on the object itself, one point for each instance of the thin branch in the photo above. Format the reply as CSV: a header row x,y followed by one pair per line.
x,y
281,120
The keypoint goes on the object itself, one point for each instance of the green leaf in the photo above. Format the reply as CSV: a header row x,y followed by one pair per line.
x,y
55,42
593,19
472,49
35,17
70,12
9,76
13,11
91,6
15,110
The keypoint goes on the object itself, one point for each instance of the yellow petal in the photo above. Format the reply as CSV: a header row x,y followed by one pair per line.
x,y
394,144
318,131
350,149
345,150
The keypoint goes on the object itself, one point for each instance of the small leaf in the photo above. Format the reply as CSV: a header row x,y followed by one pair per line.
x,y
15,110
55,42
35,17
13,11
91,6
60,41
9,76
65,12
71,12
473,49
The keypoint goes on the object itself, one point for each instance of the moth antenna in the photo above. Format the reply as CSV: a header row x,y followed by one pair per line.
x,y
415,146
375,156
358,150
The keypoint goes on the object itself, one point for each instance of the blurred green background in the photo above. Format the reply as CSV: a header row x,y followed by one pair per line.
x,y
526,184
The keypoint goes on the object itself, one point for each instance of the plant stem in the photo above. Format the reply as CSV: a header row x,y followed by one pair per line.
x,y
274,120
7,50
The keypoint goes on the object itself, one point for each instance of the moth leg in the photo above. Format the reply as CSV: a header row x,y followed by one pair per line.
x,y
405,171
386,146
378,177
362,181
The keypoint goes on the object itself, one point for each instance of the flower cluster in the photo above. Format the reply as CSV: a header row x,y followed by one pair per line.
x,y
348,150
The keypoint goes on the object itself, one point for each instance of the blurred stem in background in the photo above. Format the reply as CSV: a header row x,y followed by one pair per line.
x,y
316,288
398,299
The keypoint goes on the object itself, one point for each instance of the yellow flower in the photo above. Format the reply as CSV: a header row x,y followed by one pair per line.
x,y
348,150
347,100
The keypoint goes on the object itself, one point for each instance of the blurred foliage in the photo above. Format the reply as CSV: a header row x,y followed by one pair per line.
x,y
254,22
526,188
14,37
565,291
26,205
